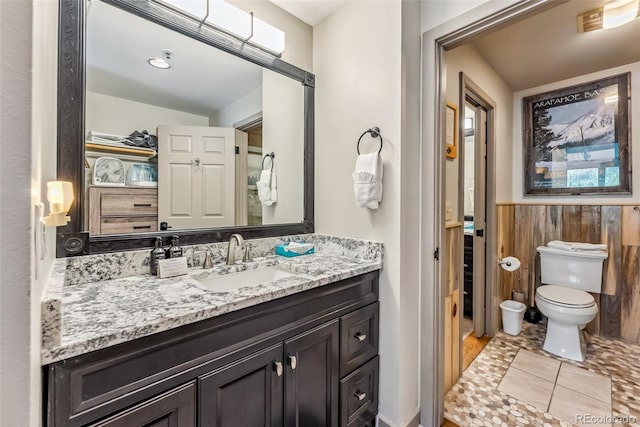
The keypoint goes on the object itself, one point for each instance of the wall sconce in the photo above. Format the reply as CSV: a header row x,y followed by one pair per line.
x,y
229,19
60,197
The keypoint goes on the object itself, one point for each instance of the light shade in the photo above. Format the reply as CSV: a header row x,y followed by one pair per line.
x,y
619,12
228,18
159,63
60,197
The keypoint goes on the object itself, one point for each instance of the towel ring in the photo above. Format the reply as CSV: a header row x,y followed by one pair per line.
x,y
375,133
272,156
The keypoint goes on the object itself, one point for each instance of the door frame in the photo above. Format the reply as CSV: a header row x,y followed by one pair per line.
x,y
457,31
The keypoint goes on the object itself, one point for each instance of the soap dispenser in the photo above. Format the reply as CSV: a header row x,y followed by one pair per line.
x,y
175,251
157,254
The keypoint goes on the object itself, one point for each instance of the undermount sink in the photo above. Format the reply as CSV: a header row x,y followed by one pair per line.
x,y
232,281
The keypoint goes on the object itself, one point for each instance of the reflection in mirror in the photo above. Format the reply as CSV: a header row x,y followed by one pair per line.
x,y
183,146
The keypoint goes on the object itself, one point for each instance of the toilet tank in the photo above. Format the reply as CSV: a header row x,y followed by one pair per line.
x,y
578,269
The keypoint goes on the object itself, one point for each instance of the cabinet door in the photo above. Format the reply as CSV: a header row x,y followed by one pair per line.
x,y
245,393
175,408
312,377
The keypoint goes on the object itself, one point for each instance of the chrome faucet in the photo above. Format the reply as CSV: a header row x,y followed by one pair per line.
x,y
234,241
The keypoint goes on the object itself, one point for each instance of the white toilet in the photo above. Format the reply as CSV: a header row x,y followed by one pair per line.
x,y
567,277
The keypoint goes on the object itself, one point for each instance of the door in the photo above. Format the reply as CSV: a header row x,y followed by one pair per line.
x,y
246,393
176,408
312,373
196,176
479,216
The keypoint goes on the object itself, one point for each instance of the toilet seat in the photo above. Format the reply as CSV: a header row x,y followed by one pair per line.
x,y
565,297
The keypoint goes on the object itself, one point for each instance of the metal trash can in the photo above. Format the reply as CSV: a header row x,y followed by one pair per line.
x,y
512,315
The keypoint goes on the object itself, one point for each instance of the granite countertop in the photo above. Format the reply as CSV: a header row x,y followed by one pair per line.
x,y
84,317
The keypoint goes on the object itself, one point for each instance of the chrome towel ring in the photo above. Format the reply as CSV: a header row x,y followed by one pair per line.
x,y
375,133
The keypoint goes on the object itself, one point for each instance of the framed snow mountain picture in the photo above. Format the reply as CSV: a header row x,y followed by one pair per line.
x,y
576,139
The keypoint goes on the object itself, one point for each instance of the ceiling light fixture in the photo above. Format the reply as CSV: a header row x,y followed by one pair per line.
x,y
611,15
619,12
161,63
233,21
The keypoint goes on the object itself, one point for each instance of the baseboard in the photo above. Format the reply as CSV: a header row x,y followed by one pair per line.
x,y
415,421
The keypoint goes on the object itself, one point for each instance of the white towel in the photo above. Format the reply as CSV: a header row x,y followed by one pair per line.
x,y
267,191
577,246
367,180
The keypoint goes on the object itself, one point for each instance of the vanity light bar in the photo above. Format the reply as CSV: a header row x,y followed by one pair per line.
x,y
233,21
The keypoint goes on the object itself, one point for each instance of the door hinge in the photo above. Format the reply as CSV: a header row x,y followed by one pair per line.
x,y
237,150
436,254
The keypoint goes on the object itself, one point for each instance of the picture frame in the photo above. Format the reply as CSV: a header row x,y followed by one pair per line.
x,y
451,131
576,139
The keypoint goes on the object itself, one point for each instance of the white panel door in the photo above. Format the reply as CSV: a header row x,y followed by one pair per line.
x,y
196,176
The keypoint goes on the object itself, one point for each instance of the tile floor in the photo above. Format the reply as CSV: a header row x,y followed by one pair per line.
x,y
561,389
513,382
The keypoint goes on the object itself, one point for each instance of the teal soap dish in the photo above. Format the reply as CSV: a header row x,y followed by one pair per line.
x,y
283,251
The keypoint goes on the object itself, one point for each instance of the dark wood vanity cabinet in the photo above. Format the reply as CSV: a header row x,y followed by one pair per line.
x,y
305,360
295,382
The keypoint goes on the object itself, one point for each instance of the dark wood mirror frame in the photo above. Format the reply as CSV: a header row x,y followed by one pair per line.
x,y
71,239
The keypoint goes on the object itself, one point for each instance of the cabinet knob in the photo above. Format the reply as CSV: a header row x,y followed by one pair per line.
x,y
360,337
293,362
277,366
360,395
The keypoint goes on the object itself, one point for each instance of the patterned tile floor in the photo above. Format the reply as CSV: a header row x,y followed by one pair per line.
x,y
475,401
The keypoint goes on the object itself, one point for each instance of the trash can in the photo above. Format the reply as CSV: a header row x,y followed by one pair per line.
x,y
512,315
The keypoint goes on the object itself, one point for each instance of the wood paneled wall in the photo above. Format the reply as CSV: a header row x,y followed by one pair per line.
x,y
453,255
521,228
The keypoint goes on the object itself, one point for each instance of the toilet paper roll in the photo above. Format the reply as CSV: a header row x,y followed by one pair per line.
x,y
510,263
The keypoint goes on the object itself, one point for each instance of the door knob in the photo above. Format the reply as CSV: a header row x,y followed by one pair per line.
x,y
293,362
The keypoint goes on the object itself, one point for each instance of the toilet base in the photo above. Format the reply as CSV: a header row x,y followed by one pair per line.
x,y
565,340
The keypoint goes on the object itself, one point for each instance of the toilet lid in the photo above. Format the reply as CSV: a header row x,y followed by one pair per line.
x,y
565,296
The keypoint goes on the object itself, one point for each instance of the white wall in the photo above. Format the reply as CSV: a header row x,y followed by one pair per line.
x,y
43,169
359,82
435,12
283,134
240,109
105,113
15,212
465,58
634,143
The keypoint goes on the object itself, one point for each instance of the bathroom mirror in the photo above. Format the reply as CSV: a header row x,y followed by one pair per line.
x,y
176,150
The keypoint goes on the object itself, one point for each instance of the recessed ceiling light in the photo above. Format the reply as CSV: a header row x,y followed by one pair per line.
x,y
159,63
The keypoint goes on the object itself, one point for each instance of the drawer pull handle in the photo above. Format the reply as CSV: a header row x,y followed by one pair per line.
x,y
277,366
360,395
139,227
360,337
293,362
142,205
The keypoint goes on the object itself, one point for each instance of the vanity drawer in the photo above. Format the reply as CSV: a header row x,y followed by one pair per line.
x,y
359,395
358,337
128,204
128,225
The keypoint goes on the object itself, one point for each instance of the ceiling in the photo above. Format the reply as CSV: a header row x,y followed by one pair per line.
x,y
201,80
546,48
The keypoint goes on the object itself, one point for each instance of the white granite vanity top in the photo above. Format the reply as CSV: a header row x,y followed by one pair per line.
x,y
83,317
